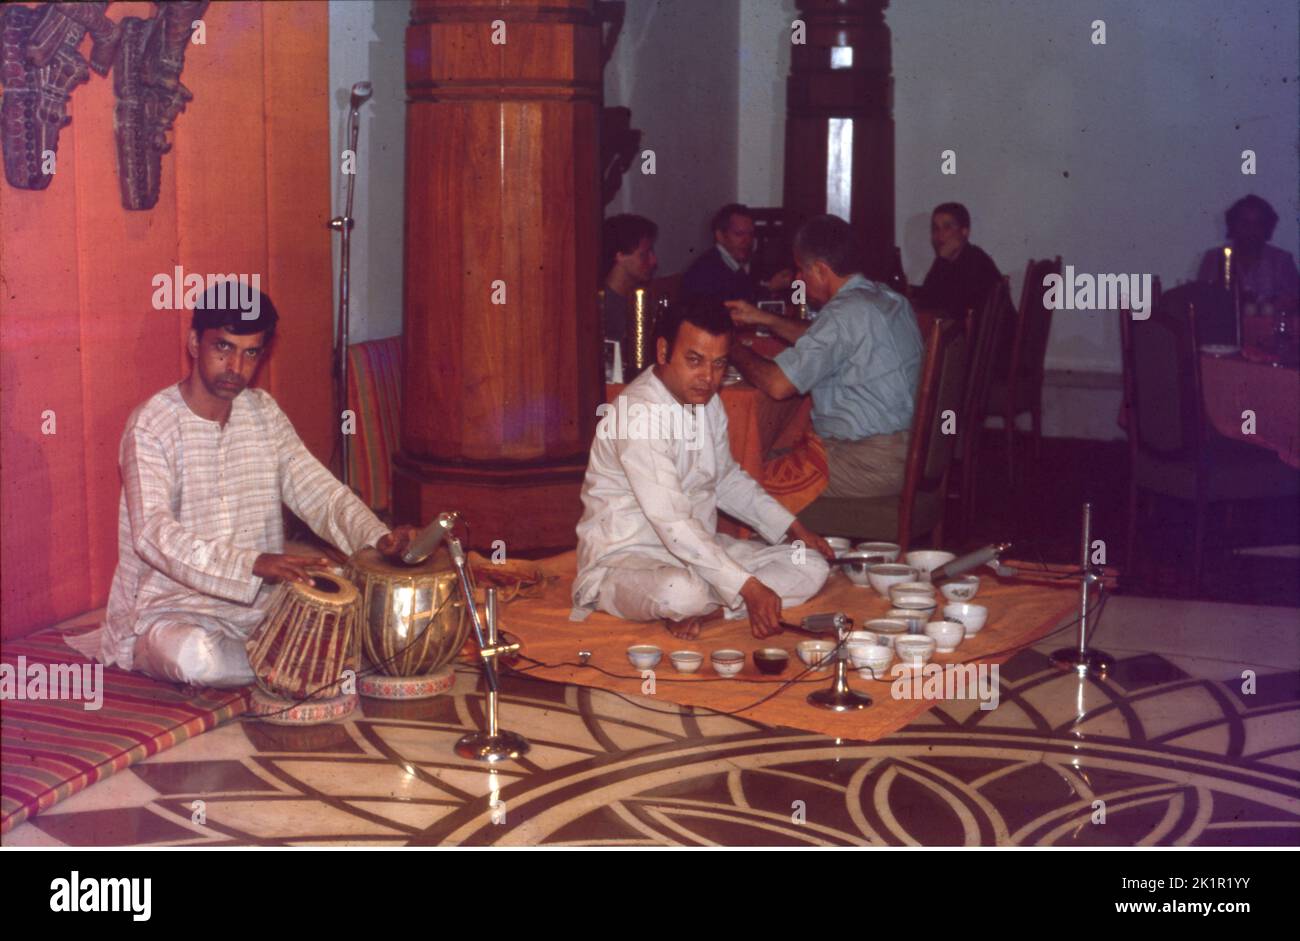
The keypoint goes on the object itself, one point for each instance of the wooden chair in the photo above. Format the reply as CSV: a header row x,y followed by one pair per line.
x,y
995,320
1020,389
919,509
1172,451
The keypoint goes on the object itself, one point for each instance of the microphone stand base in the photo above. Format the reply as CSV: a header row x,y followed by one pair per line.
x,y
1085,663
504,746
838,700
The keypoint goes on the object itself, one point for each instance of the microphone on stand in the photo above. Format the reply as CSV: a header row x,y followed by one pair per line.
x,y
991,554
427,540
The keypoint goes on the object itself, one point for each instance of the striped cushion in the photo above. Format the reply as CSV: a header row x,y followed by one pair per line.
x,y
51,749
375,394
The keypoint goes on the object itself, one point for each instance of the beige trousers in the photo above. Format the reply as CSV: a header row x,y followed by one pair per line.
x,y
870,467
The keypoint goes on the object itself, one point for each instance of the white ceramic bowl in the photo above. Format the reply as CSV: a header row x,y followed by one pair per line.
x,y
914,650
962,588
873,662
887,630
889,573
644,656
915,600
915,620
970,616
911,588
947,635
857,571
861,637
840,544
686,661
926,561
888,549
816,653
727,662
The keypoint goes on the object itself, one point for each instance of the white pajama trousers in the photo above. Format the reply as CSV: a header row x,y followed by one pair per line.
x,y
644,588
194,649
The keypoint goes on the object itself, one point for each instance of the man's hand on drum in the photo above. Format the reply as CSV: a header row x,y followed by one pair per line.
x,y
272,568
398,541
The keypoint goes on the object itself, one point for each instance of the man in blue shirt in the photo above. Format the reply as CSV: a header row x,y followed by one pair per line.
x,y
860,360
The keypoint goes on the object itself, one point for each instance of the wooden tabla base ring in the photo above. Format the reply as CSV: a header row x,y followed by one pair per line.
x,y
379,686
279,711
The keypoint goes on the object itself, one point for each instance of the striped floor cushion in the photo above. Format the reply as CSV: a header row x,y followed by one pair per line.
x,y
375,394
51,749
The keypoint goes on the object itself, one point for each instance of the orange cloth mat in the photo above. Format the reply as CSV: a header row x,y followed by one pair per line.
x,y
1021,610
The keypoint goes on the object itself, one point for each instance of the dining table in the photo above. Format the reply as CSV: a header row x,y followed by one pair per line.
x,y
1252,395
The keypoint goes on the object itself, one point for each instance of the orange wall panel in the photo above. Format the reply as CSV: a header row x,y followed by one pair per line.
x,y
245,190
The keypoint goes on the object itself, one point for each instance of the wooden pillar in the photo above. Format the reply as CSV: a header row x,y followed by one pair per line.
x,y
839,129
501,343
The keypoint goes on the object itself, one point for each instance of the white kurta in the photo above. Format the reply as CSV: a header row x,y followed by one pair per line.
x,y
648,544
199,504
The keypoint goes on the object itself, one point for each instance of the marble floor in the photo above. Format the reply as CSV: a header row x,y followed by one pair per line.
x,y
1195,740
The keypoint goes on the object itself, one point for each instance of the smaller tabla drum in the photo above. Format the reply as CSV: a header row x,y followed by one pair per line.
x,y
413,624
306,650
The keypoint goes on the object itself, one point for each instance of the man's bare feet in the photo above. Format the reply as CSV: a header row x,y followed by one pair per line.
x,y
689,628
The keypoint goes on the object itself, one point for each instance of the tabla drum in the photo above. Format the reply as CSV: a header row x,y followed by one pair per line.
x,y
413,624
306,652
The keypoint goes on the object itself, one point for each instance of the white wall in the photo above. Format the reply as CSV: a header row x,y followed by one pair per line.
x,y
675,67
1149,128
367,42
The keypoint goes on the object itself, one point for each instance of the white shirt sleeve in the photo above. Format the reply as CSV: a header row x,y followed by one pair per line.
x,y
319,498
741,495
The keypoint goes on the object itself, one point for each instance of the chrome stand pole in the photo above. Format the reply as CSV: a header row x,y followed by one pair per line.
x,y
1080,659
494,744
840,698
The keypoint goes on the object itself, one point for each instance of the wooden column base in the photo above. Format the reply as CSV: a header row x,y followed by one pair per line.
x,y
531,509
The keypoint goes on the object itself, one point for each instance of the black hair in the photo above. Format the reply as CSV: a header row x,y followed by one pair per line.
x,y
710,315
1247,203
222,306
722,218
621,235
829,239
957,211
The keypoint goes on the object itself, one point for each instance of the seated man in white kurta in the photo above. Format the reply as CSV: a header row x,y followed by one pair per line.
x,y
660,469
205,465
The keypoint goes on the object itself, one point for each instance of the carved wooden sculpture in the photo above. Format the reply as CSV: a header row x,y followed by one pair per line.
x,y
40,67
150,95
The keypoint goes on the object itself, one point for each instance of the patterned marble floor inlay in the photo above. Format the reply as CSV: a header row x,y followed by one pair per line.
x,y
1154,756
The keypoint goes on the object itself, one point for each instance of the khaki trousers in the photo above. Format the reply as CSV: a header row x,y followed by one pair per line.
x,y
870,467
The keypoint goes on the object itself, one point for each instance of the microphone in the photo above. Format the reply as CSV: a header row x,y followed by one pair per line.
x,y
361,93
991,553
423,545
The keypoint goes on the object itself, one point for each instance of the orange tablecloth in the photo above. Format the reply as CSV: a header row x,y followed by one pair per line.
x,y
1233,384
1021,610
758,424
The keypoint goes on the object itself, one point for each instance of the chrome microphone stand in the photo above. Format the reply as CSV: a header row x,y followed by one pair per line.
x,y
1080,659
839,697
361,93
494,744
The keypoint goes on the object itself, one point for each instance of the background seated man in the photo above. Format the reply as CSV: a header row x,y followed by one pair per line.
x,y
723,273
962,274
860,359
205,466
629,262
648,541
1264,273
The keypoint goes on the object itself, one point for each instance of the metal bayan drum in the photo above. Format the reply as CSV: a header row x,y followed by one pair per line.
x,y
413,624
305,651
